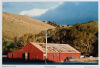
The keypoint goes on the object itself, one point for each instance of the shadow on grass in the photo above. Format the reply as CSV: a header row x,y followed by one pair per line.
x,y
17,60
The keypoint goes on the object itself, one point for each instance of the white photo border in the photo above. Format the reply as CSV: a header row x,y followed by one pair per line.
x,y
44,66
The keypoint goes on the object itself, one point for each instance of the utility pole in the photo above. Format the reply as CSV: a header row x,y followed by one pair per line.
x,y
46,47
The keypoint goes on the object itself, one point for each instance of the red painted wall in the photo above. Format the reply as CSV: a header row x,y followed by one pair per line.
x,y
52,57
34,53
60,57
64,55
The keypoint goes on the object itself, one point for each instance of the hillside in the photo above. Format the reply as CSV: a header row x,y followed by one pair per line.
x,y
17,25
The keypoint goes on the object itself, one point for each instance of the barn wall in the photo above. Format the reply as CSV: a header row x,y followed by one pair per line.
x,y
10,55
52,57
17,54
34,53
64,55
60,57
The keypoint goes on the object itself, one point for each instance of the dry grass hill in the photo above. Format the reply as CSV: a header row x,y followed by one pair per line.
x,y
16,25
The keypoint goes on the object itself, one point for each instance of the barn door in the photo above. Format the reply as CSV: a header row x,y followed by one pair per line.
x,y
26,56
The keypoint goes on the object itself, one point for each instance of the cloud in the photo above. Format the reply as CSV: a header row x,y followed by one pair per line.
x,y
37,11
34,12
60,3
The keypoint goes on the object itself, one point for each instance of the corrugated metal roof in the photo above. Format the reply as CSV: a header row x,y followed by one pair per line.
x,y
51,47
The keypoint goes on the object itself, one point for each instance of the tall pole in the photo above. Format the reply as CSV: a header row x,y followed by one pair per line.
x,y
46,46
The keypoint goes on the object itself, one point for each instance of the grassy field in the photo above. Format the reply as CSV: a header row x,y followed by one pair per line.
x,y
16,25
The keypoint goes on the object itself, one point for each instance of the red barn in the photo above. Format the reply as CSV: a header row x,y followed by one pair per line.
x,y
55,52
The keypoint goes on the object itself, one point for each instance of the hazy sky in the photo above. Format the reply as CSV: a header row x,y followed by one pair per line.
x,y
60,12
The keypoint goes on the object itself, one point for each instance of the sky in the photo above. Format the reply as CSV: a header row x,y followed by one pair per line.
x,y
62,12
